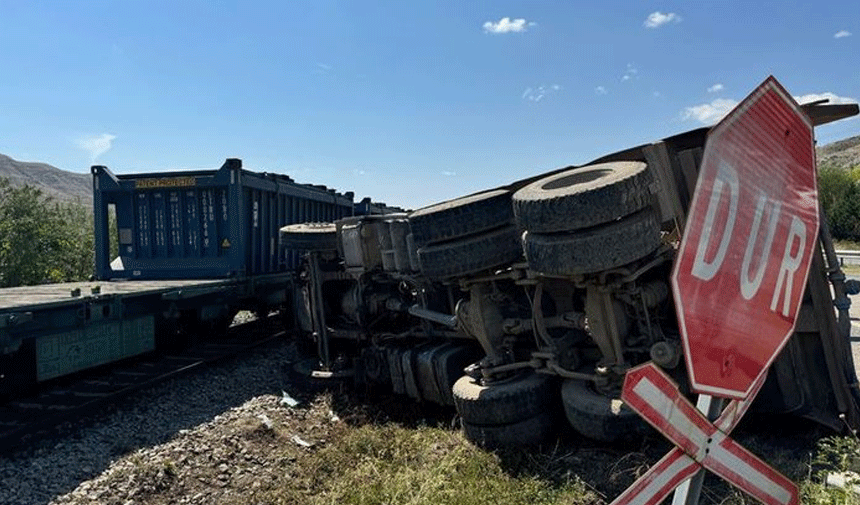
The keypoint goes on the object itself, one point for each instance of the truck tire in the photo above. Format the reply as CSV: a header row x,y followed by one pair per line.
x,y
508,402
468,215
596,249
530,432
309,237
471,254
599,417
583,197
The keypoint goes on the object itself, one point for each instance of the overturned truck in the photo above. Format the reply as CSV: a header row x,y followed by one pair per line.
x,y
526,304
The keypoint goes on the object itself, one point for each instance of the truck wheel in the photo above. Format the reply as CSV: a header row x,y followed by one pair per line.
x,y
461,217
507,402
596,249
309,237
583,197
599,417
530,432
471,254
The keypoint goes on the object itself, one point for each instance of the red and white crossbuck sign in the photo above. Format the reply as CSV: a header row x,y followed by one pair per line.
x,y
700,444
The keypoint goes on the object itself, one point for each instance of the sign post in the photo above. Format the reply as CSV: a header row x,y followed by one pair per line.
x,y
738,284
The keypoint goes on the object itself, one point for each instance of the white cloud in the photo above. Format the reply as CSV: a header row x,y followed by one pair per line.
x,y
600,90
630,73
538,93
321,68
448,173
841,33
716,88
508,25
709,113
658,19
96,145
833,99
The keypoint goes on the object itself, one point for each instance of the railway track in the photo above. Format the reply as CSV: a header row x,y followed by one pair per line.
x,y
24,420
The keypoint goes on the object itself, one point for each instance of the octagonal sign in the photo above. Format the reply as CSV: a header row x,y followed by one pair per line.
x,y
744,257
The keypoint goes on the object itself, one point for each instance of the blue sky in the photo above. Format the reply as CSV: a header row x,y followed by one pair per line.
x,y
407,102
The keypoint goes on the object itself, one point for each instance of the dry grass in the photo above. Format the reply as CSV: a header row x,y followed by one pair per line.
x,y
389,463
372,459
846,245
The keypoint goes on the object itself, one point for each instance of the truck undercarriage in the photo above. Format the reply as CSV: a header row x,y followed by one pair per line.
x,y
523,302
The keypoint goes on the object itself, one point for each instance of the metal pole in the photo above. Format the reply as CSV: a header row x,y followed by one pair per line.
x,y
318,310
690,490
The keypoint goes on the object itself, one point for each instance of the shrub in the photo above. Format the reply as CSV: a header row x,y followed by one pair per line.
x,y
42,240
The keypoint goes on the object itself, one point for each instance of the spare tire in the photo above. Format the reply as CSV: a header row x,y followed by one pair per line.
x,y
596,249
309,236
583,197
468,215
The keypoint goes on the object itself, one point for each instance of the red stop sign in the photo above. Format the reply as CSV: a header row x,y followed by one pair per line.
x,y
744,258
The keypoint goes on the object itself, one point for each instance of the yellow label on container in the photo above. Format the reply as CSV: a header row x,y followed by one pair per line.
x,y
165,182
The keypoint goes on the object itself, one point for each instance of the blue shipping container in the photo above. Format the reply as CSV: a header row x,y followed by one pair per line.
x,y
203,224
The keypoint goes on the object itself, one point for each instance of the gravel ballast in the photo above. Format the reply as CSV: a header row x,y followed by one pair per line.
x,y
194,427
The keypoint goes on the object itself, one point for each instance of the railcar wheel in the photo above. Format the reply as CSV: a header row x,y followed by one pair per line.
x,y
583,197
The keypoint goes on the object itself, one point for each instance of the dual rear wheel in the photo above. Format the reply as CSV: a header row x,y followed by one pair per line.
x,y
577,222
524,411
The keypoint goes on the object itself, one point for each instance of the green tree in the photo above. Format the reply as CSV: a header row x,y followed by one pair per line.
x,y
845,215
41,240
833,184
74,258
839,196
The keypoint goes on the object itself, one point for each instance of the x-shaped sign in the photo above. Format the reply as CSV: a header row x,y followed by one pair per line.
x,y
700,444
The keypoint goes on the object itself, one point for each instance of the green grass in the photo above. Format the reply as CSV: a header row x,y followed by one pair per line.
x,y
833,454
390,464
374,459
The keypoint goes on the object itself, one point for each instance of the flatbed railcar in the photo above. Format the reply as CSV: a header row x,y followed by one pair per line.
x,y
192,248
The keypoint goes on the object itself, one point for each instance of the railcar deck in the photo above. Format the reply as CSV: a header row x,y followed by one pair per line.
x,y
51,295
52,330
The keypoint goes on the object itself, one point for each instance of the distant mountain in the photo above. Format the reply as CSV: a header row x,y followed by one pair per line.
x,y
71,187
843,153
61,185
